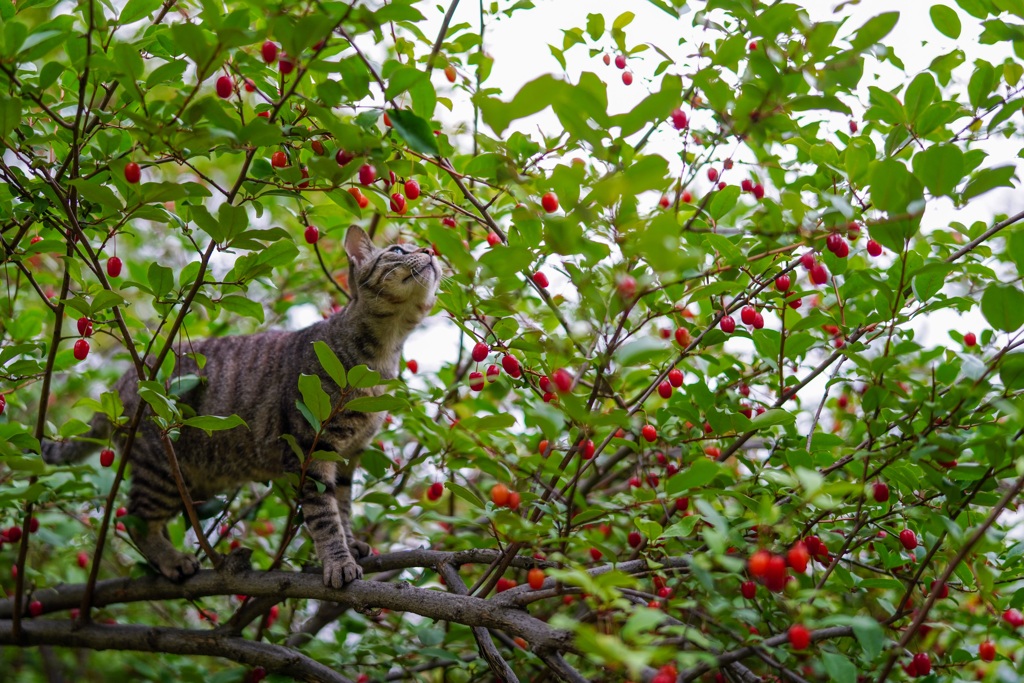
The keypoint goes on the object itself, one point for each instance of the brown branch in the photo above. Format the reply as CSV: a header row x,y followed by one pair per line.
x,y
172,640
440,35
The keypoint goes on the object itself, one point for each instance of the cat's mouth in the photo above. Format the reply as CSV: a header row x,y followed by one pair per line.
x,y
416,271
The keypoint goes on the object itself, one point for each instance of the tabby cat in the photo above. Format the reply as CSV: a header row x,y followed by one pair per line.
x,y
255,377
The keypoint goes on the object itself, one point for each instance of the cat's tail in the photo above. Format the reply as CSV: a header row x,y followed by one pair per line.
x,y
62,452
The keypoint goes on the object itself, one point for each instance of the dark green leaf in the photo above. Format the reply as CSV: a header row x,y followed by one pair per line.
x,y
1003,307
330,363
416,132
377,404
213,423
314,396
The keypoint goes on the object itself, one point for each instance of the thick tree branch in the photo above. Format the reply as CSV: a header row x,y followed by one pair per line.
x,y
172,640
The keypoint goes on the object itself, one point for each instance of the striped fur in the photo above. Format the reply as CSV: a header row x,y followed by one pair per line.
x,y
256,377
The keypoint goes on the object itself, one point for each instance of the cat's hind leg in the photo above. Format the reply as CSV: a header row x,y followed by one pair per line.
x,y
154,499
343,494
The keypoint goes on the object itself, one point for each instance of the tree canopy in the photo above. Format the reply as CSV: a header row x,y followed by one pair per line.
x,y
734,386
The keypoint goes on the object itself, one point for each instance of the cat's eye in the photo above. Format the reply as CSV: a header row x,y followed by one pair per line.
x,y
396,250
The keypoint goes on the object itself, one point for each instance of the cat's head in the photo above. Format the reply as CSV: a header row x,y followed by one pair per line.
x,y
398,273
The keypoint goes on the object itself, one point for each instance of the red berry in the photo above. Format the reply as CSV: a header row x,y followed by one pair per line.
x,y
679,121
649,433
664,201
504,584
798,557
758,191
626,287
499,495
476,381
748,589
922,663
1013,617
747,314
121,512
757,565
33,525
874,248
833,241
225,86
683,337
595,554
13,534
550,202
278,159
843,250
587,449
606,58
83,560
563,380
758,321
675,377
132,172
620,61
513,500
680,503
627,77
535,577
398,203
747,185
970,339
450,73
511,365
795,303
665,390
545,383
412,189
35,608
81,349
909,539
943,590
480,352
106,457
85,327
712,174
412,365
880,491
367,174
775,576
987,651
634,539
435,491
819,275
687,197
799,637
492,373
752,46
269,51
635,483
285,65
540,279
727,324
312,234
343,157
853,126
493,239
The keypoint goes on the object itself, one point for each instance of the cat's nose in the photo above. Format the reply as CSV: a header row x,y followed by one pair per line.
x,y
429,251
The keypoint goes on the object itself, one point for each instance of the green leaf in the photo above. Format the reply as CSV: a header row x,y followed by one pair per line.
x,y
10,114
330,363
874,29
375,462
1011,371
771,418
362,377
698,474
870,636
214,423
314,396
651,529
940,167
989,179
161,279
233,219
595,26
376,404
465,494
839,668
929,280
724,201
945,20
1003,307
236,303
416,132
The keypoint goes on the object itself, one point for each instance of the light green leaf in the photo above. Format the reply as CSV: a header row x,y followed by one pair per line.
x,y
770,418
376,404
214,423
1003,307
698,474
330,363
236,303
839,668
362,377
314,396
945,20
940,167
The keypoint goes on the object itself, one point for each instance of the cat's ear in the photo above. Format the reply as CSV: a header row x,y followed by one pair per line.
x,y
358,245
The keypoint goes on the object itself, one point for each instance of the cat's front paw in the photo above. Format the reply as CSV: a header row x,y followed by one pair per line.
x,y
177,566
339,572
360,549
